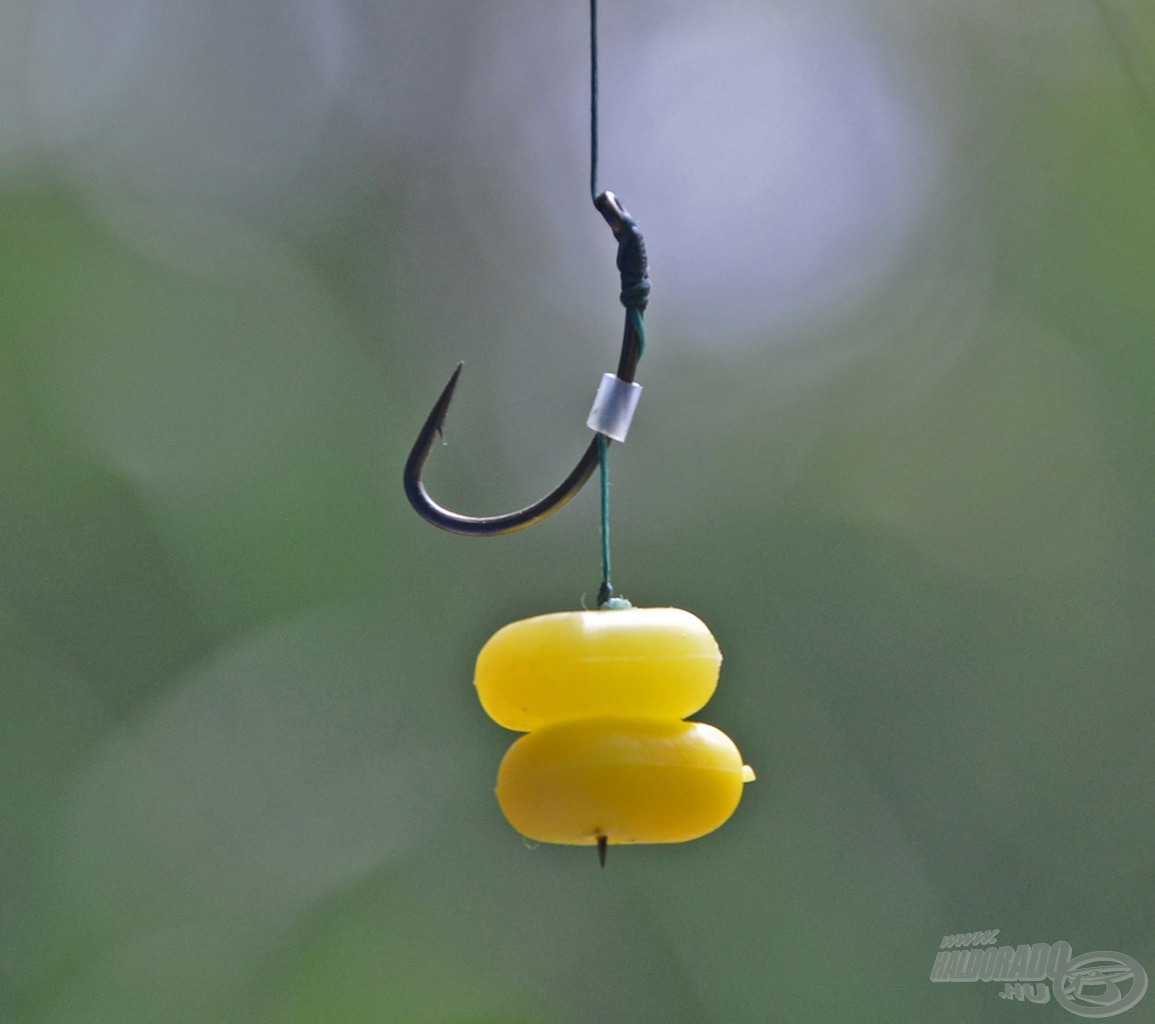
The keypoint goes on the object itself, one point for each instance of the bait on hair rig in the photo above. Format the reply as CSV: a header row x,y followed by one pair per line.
x,y
602,696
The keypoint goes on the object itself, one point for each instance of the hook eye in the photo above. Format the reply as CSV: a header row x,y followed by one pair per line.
x,y
611,209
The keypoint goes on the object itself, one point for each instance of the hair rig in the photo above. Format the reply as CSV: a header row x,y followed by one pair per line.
x,y
602,696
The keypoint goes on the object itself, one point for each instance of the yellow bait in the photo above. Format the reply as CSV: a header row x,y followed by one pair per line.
x,y
628,779
637,662
607,757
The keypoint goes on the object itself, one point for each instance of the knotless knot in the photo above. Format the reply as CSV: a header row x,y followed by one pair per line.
x,y
637,295
632,264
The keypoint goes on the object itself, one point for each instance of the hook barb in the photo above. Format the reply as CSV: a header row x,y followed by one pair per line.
x,y
631,261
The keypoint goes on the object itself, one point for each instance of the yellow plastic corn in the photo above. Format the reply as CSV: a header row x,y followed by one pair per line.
x,y
607,757
636,662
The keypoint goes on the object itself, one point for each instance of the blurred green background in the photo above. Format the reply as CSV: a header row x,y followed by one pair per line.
x,y
897,449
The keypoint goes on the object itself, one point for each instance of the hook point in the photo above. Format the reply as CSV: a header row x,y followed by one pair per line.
x,y
441,407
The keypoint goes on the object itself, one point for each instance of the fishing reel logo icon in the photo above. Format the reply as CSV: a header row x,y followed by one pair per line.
x,y
1100,984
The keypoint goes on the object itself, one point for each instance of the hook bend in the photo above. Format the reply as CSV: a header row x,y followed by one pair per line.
x,y
632,265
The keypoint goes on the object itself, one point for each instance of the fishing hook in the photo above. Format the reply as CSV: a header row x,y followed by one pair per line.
x,y
632,265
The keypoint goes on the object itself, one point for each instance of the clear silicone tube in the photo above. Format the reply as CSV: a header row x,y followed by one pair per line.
x,y
614,406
